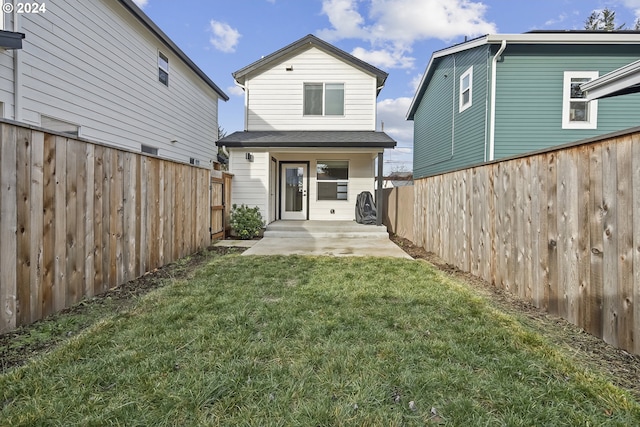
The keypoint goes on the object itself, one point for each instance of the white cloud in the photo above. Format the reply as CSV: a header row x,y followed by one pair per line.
x,y
551,22
634,5
393,26
235,90
141,3
224,37
415,82
393,112
384,58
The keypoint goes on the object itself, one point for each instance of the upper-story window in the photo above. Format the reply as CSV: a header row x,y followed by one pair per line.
x,y
577,112
324,99
466,87
163,69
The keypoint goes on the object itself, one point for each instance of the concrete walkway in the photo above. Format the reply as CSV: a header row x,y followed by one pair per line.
x,y
332,238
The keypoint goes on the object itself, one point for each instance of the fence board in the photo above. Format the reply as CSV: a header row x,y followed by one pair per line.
x,y
48,233
98,223
625,243
36,225
60,218
594,321
552,232
8,228
635,184
89,217
583,237
610,244
23,229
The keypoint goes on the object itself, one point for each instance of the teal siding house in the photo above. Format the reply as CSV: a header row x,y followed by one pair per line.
x,y
502,95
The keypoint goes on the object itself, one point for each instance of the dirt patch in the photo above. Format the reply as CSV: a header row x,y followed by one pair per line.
x,y
622,368
18,346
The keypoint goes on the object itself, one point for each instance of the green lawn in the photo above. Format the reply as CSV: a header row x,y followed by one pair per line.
x,y
303,341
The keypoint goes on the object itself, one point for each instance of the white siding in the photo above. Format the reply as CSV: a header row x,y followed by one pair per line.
x,y
93,64
6,83
276,95
250,180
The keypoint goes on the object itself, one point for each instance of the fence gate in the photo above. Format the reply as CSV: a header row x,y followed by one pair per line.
x,y
217,207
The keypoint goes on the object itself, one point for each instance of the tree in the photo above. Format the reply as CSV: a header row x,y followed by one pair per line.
x,y
604,20
222,157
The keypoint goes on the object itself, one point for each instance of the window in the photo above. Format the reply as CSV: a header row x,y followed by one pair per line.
x,y
466,85
59,126
577,112
323,99
149,150
163,69
333,179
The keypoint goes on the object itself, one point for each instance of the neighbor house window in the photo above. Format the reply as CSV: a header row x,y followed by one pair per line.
x,y
577,112
58,125
466,87
333,179
149,149
163,69
323,99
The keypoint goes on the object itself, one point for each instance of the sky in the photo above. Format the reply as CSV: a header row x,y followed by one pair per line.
x,y
397,36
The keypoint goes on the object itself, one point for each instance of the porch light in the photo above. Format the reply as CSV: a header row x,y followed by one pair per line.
x,y
249,157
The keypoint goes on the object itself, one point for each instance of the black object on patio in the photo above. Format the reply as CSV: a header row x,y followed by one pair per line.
x,y
365,209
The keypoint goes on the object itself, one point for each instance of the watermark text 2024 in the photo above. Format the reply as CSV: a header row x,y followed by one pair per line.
x,y
31,7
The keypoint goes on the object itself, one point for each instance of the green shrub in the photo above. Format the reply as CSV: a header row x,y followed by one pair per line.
x,y
246,222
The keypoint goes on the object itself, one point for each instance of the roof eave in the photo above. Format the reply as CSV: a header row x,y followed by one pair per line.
x,y
240,75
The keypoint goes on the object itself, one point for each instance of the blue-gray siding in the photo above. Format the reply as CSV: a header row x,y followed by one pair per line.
x,y
529,95
445,138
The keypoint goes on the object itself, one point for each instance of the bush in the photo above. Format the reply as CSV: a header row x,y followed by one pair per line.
x,y
246,222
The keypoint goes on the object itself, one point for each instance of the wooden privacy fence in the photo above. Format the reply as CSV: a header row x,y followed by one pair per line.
x,y
397,211
77,219
560,229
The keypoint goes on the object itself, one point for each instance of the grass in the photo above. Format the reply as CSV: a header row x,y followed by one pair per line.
x,y
324,341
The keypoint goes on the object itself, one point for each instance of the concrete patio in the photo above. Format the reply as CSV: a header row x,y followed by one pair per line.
x,y
332,238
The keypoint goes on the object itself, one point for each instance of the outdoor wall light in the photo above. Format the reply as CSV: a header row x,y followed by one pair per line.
x,y
249,157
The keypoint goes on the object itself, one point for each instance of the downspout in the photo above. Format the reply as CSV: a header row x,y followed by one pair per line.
x,y
492,130
246,104
17,73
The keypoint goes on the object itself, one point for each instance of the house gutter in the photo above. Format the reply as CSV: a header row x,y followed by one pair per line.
x,y
492,130
17,72
246,104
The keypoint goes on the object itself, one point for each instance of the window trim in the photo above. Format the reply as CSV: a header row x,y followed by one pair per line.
x,y
149,149
462,105
337,181
75,134
324,99
161,68
592,123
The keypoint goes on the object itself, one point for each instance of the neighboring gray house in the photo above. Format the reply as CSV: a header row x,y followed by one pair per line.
x,y
310,142
505,94
102,70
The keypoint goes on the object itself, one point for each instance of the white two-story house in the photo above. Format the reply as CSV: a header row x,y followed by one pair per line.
x,y
310,143
102,70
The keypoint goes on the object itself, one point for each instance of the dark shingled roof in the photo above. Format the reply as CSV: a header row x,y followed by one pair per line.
x,y
319,139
